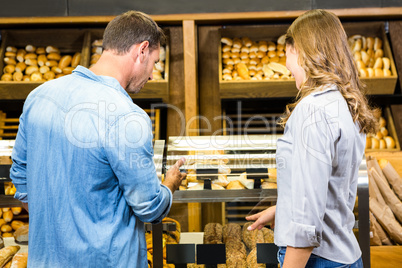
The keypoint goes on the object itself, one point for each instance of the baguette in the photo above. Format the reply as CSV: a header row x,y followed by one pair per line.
x,y
7,254
20,260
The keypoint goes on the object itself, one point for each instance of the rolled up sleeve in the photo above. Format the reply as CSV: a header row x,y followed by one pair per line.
x,y
130,153
311,170
18,171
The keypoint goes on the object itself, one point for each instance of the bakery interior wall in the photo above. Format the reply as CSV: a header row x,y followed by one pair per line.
x,y
25,8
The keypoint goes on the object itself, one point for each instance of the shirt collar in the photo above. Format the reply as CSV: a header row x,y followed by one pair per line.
x,y
106,80
324,89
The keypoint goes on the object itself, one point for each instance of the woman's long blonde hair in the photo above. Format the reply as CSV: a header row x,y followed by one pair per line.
x,y
325,56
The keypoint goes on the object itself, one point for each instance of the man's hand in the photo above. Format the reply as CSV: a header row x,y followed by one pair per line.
x,y
174,176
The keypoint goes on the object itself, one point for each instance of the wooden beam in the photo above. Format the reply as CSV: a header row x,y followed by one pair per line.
x,y
190,77
349,13
191,105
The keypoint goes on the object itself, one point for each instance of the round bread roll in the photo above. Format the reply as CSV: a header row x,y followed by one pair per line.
x,y
360,64
390,142
51,63
31,62
9,60
36,76
75,61
65,61
56,70
363,72
17,76
247,41
263,46
237,60
245,49
226,48
357,45
235,50
235,74
370,42
30,69
378,72
224,40
261,54
243,55
7,77
235,185
382,122
68,70
237,43
254,48
26,78
364,57
382,144
49,75
9,69
30,48
379,53
21,55
384,131
271,46
387,72
378,63
386,64
10,55
368,143
357,55
370,72
377,43
375,143
40,50
378,135
11,49
52,49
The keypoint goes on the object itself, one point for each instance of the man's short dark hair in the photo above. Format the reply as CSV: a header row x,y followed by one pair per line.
x,y
130,28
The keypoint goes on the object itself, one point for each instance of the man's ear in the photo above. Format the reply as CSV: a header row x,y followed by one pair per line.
x,y
143,50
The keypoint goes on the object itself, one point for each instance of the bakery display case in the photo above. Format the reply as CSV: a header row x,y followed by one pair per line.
x,y
236,168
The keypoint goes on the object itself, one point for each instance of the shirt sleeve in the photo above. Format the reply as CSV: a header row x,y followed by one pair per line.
x,y
130,154
311,170
18,167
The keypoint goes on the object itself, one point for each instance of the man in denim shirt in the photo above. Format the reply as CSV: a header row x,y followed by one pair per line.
x,y
83,157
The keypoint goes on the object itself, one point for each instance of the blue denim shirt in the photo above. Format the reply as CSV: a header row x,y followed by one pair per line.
x,y
83,161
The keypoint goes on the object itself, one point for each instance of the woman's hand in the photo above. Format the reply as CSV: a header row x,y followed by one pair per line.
x,y
263,218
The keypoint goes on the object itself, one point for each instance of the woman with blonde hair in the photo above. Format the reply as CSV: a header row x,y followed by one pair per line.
x,y
319,155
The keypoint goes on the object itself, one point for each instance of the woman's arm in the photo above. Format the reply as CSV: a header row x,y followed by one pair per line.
x,y
297,257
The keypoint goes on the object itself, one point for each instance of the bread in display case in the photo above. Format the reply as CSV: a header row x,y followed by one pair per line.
x,y
249,160
242,167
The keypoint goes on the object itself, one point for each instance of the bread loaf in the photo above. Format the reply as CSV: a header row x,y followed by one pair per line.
x,y
20,260
231,231
251,238
213,233
21,234
252,260
7,253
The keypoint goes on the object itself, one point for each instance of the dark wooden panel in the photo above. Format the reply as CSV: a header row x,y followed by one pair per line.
x,y
346,3
24,8
395,33
391,3
210,102
397,115
107,7
175,111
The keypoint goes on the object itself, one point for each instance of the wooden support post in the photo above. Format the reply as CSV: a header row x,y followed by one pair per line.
x,y
191,104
